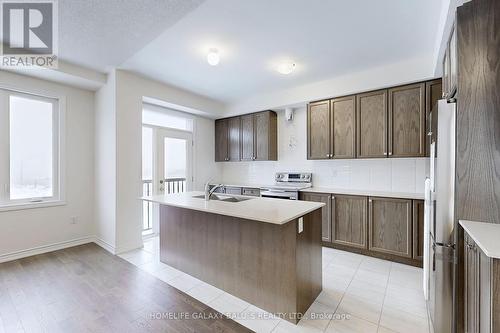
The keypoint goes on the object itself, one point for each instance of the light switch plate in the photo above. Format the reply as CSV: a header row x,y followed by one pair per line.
x,y
301,224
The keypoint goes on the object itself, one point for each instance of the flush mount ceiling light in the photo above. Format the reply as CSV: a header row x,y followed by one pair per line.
x,y
286,67
213,57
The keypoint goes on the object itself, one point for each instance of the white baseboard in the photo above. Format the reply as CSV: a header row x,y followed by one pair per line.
x,y
105,245
45,248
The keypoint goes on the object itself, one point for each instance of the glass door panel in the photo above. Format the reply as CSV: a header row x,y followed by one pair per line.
x,y
174,161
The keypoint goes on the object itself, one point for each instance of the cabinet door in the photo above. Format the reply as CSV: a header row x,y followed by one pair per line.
x,y
234,138
318,131
471,276
247,137
349,220
433,93
407,121
221,140
486,296
344,124
418,229
371,117
390,226
326,232
265,136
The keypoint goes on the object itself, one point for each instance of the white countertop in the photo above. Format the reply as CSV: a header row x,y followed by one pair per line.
x,y
486,236
276,211
401,195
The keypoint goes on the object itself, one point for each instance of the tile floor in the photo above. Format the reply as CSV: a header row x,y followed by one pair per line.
x,y
360,294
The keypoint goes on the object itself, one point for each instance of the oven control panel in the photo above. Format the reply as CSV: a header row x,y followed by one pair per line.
x,y
290,177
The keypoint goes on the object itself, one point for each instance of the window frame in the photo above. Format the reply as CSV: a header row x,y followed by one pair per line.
x,y
58,149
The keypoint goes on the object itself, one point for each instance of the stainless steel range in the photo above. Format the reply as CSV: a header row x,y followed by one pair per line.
x,y
287,185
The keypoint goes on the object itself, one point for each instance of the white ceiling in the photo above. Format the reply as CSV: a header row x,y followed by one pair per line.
x,y
326,38
101,34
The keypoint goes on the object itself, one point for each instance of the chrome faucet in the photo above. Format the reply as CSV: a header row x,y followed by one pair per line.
x,y
209,192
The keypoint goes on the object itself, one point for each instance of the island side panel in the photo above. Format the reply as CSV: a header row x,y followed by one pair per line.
x,y
309,261
253,260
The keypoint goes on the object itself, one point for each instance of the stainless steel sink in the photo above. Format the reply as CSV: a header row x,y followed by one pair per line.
x,y
223,198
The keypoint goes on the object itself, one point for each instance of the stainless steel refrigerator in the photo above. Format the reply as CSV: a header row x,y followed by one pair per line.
x,y
439,228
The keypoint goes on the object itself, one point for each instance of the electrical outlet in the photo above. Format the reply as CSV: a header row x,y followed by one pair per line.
x,y
74,220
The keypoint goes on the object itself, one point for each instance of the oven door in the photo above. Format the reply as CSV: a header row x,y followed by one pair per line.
x,y
279,194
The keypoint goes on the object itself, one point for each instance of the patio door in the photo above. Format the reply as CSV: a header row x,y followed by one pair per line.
x,y
173,161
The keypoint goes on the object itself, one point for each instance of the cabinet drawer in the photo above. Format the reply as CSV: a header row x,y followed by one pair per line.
x,y
255,192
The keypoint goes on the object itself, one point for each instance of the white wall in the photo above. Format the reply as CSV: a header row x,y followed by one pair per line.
x,y
395,175
105,164
417,69
130,90
205,168
27,229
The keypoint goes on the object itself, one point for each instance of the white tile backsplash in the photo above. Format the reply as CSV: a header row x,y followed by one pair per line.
x,y
403,175
385,174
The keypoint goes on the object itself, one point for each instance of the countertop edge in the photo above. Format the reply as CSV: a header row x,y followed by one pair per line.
x,y
241,216
471,228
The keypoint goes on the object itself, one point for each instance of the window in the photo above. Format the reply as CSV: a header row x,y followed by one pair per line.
x,y
29,145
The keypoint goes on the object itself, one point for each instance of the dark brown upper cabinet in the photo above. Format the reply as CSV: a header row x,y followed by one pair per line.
x,y
221,140
407,121
247,138
390,226
349,220
433,93
247,134
227,139
331,128
318,130
266,136
234,126
371,114
343,127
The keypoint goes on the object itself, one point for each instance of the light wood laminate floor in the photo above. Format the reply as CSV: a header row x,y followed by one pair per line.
x,y
86,289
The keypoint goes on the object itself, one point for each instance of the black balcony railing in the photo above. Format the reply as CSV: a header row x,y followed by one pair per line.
x,y
171,185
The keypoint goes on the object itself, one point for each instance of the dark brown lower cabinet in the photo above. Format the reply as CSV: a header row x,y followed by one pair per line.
x,y
326,230
390,226
482,290
387,228
418,229
349,220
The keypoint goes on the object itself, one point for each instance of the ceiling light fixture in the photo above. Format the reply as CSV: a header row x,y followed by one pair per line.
x,y
213,57
286,67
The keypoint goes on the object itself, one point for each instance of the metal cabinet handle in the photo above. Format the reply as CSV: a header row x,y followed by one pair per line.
x,y
390,153
333,197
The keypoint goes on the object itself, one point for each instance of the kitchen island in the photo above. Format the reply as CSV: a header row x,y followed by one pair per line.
x,y
264,251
